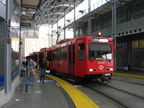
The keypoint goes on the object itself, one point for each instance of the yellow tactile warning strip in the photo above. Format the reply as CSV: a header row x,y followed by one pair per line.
x,y
79,98
129,75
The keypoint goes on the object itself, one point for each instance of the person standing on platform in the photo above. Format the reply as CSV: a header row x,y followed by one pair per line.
x,y
26,63
30,66
42,65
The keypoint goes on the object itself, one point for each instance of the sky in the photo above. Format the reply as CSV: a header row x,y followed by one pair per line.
x,y
45,29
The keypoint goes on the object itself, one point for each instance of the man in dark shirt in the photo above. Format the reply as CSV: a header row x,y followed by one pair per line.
x,y
42,65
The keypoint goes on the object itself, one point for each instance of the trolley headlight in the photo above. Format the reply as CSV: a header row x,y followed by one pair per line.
x,y
91,70
109,69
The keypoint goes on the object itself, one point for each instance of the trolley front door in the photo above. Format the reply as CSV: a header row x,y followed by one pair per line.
x,y
71,61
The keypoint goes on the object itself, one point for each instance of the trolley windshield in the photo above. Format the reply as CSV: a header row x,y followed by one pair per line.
x,y
100,51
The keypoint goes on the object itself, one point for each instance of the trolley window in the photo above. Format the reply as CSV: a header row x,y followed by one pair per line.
x,y
41,55
100,51
35,57
63,53
81,51
56,54
49,56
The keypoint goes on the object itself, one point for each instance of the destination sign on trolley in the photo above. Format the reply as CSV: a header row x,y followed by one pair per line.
x,y
99,40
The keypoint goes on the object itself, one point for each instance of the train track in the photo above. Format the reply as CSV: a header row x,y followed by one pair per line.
x,y
113,94
120,104
142,84
126,92
117,95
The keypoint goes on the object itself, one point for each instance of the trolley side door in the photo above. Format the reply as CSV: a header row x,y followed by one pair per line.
x,y
71,60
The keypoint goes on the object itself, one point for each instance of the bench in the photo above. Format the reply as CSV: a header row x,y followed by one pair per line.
x,y
26,81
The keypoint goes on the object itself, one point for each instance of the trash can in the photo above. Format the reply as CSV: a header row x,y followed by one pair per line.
x,y
22,73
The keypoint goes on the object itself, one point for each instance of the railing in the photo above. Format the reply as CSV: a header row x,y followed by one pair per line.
x,y
85,10
131,24
127,26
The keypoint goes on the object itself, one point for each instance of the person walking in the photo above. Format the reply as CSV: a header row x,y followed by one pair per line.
x,y
42,65
30,67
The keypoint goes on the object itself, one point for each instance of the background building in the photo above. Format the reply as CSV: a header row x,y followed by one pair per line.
x,y
32,45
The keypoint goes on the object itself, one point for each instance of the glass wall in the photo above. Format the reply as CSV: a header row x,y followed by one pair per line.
x,y
2,40
137,54
13,63
2,34
14,33
122,54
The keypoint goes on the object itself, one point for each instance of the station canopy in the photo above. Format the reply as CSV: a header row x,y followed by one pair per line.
x,y
39,12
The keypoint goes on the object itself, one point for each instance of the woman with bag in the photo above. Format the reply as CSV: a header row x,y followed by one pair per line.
x,y
30,66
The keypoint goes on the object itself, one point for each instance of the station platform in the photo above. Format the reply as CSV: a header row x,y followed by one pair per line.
x,y
131,73
56,93
53,93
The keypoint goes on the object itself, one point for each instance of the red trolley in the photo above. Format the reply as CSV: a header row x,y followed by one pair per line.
x,y
85,57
